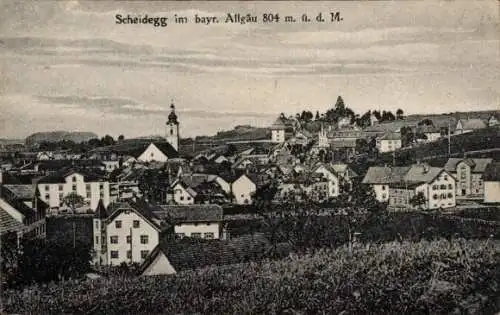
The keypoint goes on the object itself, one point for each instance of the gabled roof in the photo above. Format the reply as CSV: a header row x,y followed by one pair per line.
x,y
135,149
8,223
477,165
140,207
385,175
22,192
344,168
100,211
60,177
192,253
279,123
391,136
418,174
189,213
492,173
473,123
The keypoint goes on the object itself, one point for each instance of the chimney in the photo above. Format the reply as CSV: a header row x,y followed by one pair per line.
x,y
425,168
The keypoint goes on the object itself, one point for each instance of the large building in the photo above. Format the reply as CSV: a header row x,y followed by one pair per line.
x,y
55,187
399,185
468,173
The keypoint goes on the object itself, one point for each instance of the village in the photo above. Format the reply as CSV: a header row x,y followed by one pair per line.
x,y
140,197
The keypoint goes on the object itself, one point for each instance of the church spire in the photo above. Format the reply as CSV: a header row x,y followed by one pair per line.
x,y
172,117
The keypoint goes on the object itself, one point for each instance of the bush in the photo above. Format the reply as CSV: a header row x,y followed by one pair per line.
x,y
439,277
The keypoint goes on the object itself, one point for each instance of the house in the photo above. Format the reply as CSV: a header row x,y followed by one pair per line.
x,y
183,194
22,212
491,179
91,187
493,120
468,173
389,142
399,185
436,184
196,221
140,150
188,254
281,129
379,179
125,233
469,125
332,177
313,186
431,133
243,188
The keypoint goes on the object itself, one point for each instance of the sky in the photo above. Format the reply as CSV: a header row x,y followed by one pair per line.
x,y
66,65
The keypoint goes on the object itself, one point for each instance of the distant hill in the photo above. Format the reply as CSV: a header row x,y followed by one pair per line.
x,y
56,136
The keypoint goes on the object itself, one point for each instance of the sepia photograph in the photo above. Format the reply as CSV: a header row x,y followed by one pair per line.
x,y
249,157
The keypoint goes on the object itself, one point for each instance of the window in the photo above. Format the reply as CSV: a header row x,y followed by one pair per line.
x,y
182,198
443,186
135,224
114,254
60,187
46,187
188,198
144,239
435,196
450,195
113,239
129,239
144,254
209,235
384,196
89,194
87,186
180,235
101,186
196,235
47,196
118,224
103,239
97,240
383,187
445,177
74,188
129,254
96,224
450,186
61,197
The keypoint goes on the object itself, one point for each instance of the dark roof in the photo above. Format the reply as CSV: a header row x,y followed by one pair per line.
x,y
23,192
477,165
8,223
473,123
135,149
141,207
189,213
192,253
492,173
100,211
60,177
385,175
53,165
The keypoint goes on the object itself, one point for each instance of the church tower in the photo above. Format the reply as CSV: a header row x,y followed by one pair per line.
x,y
172,133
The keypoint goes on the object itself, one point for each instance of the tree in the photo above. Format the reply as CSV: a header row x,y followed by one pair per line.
x,y
387,116
121,138
73,200
399,114
107,140
418,200
407,136
425,122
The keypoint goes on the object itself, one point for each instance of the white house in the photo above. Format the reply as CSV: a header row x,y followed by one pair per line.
x,y
389,142
196,221
183,194
469,175
124,233
379,179
278,130
332,177
469,125
491,180
153,153
243,189
493,120
53,188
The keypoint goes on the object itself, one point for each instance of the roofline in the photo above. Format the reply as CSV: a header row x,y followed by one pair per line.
x,y
115,213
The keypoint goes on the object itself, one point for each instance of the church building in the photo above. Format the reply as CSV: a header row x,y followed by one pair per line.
x,y
172,132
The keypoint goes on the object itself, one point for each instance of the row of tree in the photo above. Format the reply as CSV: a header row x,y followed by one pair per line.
x,y
340,110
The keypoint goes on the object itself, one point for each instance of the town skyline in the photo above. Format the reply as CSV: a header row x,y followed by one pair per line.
x,y
77,71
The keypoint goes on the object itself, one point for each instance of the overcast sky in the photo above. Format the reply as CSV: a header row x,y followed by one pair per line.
x,y
66,65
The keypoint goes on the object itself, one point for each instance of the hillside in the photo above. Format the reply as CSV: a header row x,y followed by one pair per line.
x,y
56,136
483,139
437,277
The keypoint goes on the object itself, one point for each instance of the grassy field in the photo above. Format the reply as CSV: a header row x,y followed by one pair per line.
x,y
438,277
